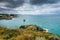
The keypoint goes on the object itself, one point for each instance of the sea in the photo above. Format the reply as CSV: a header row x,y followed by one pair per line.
x,y
51,22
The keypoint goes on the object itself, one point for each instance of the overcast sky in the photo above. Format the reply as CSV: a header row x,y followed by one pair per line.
x,y
33,7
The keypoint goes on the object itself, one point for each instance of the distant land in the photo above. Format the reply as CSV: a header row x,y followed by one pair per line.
x,y
7,16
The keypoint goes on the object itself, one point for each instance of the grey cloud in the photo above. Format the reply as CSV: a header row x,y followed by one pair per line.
x,y
12,3
40,2
7,11
17,3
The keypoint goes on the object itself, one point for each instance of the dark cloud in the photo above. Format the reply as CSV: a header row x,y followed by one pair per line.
x,y
7,11
13,3
40,2
17,3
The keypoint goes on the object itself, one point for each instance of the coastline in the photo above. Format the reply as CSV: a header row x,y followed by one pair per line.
x,y
28,31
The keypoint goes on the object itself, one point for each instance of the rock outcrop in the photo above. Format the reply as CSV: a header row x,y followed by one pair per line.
x,y
32,27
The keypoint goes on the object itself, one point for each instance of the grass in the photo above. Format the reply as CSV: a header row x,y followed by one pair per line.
x,y
29,33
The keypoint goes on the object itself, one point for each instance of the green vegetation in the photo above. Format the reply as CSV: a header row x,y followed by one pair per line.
x,y
26,32
7,16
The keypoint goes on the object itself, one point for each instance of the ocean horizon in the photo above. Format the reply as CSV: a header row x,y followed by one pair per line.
x,y
50,22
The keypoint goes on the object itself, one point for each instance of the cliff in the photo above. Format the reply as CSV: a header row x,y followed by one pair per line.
x,y
26,32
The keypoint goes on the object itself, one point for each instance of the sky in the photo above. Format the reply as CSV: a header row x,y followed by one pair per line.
x,y
30,7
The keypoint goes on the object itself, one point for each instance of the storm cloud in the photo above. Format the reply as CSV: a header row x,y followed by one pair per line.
x,y
12,3
41,2
30,6
17,3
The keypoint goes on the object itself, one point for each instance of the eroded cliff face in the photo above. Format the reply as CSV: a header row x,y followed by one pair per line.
x,y
26,32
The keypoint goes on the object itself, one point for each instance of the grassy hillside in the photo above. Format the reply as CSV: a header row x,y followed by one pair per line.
x,y
26,32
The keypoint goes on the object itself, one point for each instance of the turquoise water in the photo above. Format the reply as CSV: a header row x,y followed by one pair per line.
x,y
50,22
